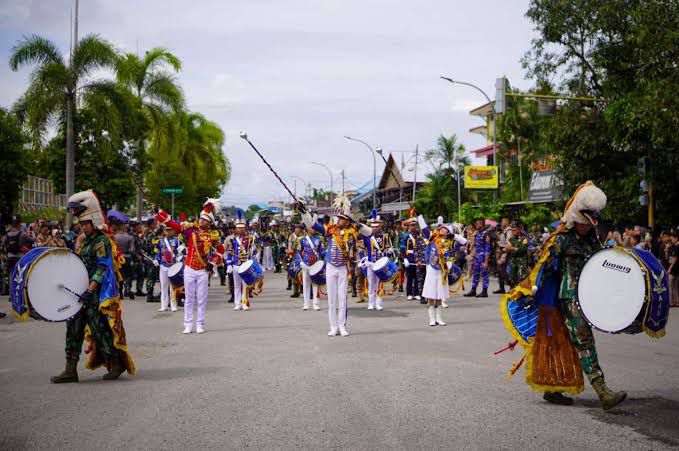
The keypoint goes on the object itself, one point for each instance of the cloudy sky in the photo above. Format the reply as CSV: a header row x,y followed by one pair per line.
x,y
298,75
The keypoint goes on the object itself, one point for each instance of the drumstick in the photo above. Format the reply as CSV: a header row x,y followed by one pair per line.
x,y
69,290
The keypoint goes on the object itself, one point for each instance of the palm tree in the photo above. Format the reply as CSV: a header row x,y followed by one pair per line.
x,y
445,154
157,94
57,85
201,149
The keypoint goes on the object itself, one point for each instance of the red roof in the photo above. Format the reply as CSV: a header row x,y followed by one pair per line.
x,y
483,151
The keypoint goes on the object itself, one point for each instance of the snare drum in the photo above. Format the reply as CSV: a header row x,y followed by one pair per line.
x,y
295,269
47,282
250,272
624,290
385,269
317,272
176,275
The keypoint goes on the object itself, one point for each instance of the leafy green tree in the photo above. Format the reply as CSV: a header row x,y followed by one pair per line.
x,y
625,52
194,160
150,79
14,162
56,86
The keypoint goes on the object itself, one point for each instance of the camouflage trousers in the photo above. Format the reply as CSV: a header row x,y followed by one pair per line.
x,y
101,332
582,338
151,273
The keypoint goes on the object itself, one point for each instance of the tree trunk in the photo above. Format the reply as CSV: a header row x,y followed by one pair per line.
x,y
70,159
140,178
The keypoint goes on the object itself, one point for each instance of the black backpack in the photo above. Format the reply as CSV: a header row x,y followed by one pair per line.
x,y
13,242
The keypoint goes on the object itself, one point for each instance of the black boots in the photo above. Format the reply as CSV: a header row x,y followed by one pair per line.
x,y
557,398
483,294
115,371
471,293
70,373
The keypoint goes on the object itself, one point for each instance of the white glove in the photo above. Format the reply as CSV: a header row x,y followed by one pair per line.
x,y
421,222
308,220
440,220
155,263
365,230
229,269
460,239
406,263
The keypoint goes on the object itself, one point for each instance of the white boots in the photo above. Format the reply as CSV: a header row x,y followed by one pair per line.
x,y
439,316
435,316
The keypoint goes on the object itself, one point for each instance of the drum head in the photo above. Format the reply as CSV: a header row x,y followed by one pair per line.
x,y
611,290
174,269
244,267
381,263
316,267
54,270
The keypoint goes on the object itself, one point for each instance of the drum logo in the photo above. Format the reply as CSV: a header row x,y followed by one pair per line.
x,y
617,267
63,308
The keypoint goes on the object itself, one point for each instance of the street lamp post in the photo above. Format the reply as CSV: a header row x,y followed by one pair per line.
x,y
330,173
372,152
489,101
456,162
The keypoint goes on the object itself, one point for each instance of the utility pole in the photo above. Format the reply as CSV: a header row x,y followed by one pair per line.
x,y
417,150
70,114
342,182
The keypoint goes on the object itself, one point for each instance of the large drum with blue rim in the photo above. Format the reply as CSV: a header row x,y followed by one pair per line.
x,y
176,275
624,290
250,272
47,283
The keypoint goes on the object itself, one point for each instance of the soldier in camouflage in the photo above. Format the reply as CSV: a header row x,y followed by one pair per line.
x,y
482,250
149,244
517,248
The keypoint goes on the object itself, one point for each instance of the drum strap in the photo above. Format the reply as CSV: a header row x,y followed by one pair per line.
x,y
311,244
169,248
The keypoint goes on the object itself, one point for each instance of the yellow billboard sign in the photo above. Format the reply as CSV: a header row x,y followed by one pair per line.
x,y
481,177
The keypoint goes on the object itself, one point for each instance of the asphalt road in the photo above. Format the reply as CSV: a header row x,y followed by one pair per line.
x,y
271,378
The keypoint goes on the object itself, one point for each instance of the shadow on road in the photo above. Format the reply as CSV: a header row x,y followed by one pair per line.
x,y
656,418
168,374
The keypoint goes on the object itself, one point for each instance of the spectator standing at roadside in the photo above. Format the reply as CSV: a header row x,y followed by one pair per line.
x,y
673,270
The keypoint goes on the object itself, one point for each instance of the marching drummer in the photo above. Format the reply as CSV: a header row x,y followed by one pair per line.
x,y
101,313
438,253
240,248
311,251
166,256
376,246
200,240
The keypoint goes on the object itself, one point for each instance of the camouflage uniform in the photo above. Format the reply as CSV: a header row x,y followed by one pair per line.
x,y
517,269
148,245
571,252
95,247
137,264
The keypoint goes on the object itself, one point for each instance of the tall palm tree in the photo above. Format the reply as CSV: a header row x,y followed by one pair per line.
x,y
446,152
57,85
157,94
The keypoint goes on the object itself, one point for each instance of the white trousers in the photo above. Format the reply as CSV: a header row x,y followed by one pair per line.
x,y
238,288
336,283
373,286
308,286
268,259
195,290
166,289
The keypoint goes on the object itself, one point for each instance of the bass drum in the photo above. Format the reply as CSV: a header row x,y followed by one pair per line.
x,y
624,291
47,283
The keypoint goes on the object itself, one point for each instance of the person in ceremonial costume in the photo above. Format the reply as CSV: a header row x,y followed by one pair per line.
x,y
167,254
240,249
517,250
563,346
438,253
377,245
100,321
342,234
414,261
267,245
310,248
481,263
199,239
